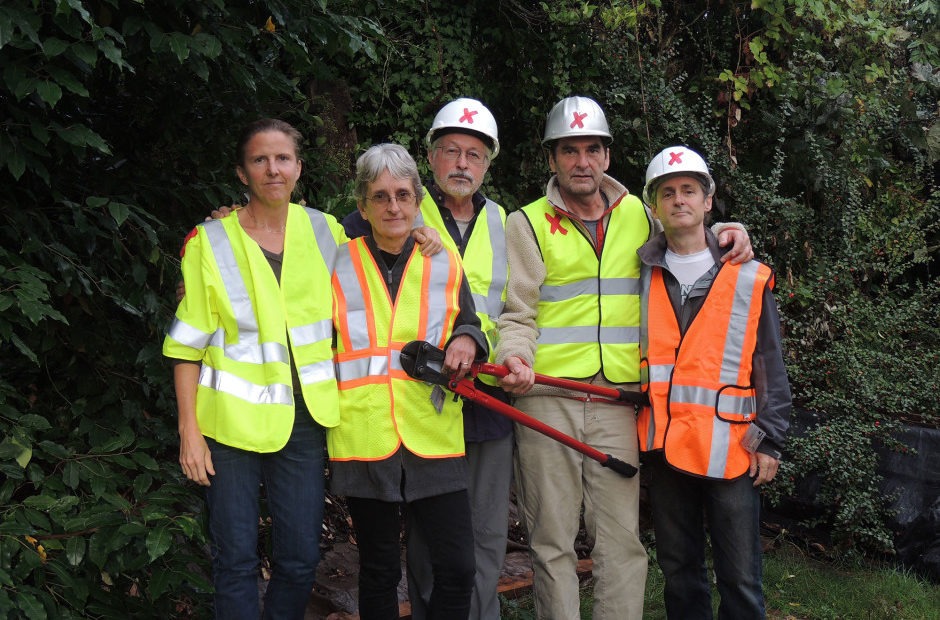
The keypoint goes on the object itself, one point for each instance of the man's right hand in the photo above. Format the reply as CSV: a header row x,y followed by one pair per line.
x,y
218,214
520,379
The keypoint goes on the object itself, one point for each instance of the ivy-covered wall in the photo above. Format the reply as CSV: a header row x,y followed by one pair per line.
x,y
117,123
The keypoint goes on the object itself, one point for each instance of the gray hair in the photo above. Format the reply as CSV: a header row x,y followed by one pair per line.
x,y
382,157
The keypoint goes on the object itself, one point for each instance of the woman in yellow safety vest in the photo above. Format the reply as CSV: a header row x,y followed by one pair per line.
x,y
399,440
254,376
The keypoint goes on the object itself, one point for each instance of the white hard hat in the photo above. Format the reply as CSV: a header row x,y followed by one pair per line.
x,y
672,161
576,116
466,116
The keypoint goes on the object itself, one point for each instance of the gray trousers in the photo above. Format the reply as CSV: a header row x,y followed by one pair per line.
x,y
490,471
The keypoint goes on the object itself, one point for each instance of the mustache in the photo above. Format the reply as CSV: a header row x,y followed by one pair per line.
x,y
461,175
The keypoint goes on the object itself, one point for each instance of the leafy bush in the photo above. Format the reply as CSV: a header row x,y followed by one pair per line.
x,y
818,118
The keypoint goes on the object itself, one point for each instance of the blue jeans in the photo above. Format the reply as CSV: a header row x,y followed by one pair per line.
x,y
293,480
680,504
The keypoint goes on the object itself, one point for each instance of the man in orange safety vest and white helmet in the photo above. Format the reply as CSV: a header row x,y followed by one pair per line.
x,y
719,409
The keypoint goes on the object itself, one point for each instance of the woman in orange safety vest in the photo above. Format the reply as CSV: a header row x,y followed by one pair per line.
x,y
400,441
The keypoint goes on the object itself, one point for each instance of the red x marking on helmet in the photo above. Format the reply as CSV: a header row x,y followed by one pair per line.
x,y
467,116
675,158
577,120
556,224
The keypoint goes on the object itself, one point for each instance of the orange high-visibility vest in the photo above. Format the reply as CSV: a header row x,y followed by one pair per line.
x,y
381,407
701,396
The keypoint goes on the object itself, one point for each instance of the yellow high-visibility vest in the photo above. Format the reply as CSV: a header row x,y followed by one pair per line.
x,y
484,263
381,407
245,328
589,308
701,396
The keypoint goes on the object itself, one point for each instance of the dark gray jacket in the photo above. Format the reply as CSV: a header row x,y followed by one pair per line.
x,y
769,374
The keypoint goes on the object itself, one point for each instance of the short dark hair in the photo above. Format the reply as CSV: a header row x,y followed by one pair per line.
x,y
553,145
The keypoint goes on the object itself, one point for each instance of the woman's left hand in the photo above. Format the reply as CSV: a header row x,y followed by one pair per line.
x,y
459,355
428,239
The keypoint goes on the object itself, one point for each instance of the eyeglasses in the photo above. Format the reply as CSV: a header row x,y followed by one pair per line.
x,y
403,198
452,153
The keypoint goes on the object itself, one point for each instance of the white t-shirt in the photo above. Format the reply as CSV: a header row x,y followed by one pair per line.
x,y
462,226
688,268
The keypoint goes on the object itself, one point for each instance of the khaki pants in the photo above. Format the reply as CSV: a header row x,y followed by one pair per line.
x,y
553,481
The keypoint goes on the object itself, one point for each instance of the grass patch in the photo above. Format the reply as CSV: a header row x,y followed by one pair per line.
x,y
798,587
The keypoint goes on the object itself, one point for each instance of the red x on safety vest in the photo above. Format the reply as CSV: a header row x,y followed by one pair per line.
x,y
556,224
675,158
578,117
467,116
191,234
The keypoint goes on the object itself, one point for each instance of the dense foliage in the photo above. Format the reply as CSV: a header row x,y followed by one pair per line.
x,y
819,119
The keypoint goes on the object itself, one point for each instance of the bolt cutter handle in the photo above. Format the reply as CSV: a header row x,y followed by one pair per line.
x,y
424,361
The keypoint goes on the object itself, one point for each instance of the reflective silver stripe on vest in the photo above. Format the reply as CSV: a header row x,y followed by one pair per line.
x,y
311,333
723,403
588,334
659,373
374,366
738,322
591,286
325,240
350,370
718,457
186,334
492,304
357,323
226,382
437,303
250,353
235,288
316,372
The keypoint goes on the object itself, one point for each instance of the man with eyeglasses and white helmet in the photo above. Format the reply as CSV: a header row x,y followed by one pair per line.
x,y
573,310
462,141
708,449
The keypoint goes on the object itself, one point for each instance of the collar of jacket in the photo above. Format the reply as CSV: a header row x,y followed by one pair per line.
x,y
653,252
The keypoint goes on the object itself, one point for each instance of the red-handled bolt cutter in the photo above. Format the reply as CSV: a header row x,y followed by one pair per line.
x,y
424,361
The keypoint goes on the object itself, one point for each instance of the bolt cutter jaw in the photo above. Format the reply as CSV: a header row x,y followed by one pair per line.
x,y
423,361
